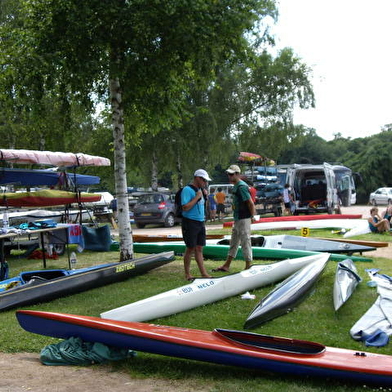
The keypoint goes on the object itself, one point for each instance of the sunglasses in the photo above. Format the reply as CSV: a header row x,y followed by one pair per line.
x,y
203,179
231,174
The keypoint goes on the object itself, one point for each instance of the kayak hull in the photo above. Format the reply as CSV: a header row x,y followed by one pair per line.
x,y
346,280
220,251
235,348
43,290
208,290
302,243
286,295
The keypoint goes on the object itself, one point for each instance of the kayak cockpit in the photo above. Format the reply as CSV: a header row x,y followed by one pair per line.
x,y
256,240
271,343
43,275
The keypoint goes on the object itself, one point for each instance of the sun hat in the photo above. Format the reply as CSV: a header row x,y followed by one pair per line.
x,y
203,174
233,169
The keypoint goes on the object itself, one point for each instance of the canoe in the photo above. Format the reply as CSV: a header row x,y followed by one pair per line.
x,y
208,290
301,218
301,243
221,346
287,294
375,244
46,198
36,177
167,237
42,286
220,251
51,158
311,224
346,280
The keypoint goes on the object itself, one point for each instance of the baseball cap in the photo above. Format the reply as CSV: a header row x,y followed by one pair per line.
x,y
233,169
203,174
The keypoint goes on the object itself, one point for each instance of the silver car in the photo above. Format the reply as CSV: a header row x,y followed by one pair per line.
x,y
381,196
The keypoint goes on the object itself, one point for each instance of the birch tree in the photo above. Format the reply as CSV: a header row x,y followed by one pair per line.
x,y
138,54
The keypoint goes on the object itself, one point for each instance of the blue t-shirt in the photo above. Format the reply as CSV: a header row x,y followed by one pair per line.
x,y
212,201
197,211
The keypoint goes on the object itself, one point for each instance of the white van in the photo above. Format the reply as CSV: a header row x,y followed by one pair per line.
x,y
228,190
313,188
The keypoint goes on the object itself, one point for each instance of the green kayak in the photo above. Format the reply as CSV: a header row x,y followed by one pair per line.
x,y
220,252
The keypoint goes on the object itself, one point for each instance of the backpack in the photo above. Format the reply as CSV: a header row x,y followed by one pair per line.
x,y
177,201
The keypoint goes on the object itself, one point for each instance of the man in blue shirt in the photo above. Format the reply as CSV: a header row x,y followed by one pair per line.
x,y
193,217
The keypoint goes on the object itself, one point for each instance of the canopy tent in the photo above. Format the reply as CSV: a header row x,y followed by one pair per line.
x,y
251,158
26,177
47,198
49,158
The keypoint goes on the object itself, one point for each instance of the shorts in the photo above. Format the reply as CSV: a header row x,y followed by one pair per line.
x,y
287,205
220,208
193,232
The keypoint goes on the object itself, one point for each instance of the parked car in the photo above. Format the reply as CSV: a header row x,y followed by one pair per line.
x,y
155,208
381,196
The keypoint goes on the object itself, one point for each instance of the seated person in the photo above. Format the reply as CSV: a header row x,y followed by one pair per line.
x,y
376,223
388,213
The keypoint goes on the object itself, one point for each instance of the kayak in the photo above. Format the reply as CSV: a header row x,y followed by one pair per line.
x,y
220,251
208,290
286,295
167,237
346,280
301,218
375,244
45,285
300,243
221,346
312,224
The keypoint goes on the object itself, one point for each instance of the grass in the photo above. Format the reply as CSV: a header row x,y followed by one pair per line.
x,y
314,320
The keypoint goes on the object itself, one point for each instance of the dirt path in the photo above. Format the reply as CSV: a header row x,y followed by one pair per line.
x,y
24,372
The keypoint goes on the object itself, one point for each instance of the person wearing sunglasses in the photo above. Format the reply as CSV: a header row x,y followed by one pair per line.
x,y
243,214
193,197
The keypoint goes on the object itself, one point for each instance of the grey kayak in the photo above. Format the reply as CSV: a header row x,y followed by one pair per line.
x,y
287,294
346,280
301,243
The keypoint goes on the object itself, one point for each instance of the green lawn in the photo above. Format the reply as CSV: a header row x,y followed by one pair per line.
x,y
313,320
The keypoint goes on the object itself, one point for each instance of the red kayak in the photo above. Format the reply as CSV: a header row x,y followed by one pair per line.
x,y
47,198
290,218
228,347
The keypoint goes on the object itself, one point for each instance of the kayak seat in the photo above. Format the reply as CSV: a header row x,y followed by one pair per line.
x,y
271,343
42,275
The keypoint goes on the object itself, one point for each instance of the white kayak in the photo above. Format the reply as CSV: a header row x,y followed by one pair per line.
x,y
313,224
346,280
207,290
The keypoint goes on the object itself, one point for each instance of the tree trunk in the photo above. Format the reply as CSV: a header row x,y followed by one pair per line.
x,y
120,175
180,179
154,172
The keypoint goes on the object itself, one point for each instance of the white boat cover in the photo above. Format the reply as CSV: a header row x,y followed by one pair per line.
x,y
375,326
50,158
361,228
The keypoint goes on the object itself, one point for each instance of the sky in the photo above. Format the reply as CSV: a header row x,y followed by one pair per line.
x,y
347,43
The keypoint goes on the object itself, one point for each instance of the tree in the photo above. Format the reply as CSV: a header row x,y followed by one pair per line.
x,y
147,51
